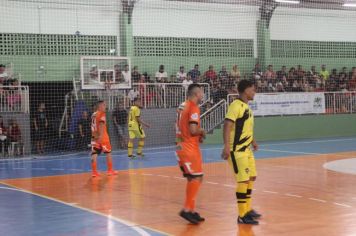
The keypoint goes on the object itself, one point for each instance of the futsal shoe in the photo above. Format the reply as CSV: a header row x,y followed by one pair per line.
x,y
254,214
198,217
112,172
95,174
189,216
247,220
140,155
132,157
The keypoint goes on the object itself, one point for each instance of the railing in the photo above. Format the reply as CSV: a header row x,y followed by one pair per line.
x,y
14,99
214,116
335,102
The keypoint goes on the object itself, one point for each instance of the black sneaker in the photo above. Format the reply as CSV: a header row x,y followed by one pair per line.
x,y
141,155
254,214
247,220
189,216
198,217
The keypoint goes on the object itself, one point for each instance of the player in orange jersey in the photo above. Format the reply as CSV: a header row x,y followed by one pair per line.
x,y
189,135
100,139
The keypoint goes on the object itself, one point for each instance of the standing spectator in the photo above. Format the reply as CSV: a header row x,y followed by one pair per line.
x,y
223,74
84,131
118,74
41,124
343,79
186,82
292,77
132,95
4,141
161,75
332,82
15,135
94,74
300,72
324,74
126,74
281,79
181,75
135,75
313,77
120,121
235,74
210,75
195,73
352,82
14,94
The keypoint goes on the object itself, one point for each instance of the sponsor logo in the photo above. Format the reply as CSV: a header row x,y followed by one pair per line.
x,y
247,170
318,102
194,116
253,106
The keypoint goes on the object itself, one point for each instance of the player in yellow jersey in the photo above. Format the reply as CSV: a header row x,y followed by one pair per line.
x,y
238,138
135,129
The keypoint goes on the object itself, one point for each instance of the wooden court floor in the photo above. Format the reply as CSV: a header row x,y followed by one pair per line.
x,y
296,196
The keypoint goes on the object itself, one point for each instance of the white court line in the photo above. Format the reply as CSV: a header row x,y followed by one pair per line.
x,y
208,182
341,204
178,177
147,174
282,151
139,230
56,169
163,176
270,192
19,168
229,185
293,195
38,168
58,157
318,200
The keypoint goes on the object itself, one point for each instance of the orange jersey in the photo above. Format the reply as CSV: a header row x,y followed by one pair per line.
x,y
188,113
97,118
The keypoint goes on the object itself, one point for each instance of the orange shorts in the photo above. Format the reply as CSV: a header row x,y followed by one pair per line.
x,y
97,148
190,162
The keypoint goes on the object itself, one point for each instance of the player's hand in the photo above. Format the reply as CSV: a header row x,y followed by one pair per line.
x,y
225,153
255,146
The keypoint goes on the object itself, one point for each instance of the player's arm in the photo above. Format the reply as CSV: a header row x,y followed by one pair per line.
x,y
81,130
255,145
228,124
195,130
141,122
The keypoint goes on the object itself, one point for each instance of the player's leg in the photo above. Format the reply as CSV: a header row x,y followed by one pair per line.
x,y
253,176
95,151
141,142
130,144
239,164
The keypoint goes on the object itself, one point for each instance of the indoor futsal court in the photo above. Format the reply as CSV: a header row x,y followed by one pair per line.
x,y
177,117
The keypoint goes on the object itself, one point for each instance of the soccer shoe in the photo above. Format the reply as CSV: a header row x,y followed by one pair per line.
x,y
198,217
254,214
141,155
189,216
112,172
95,174
247,220
132,157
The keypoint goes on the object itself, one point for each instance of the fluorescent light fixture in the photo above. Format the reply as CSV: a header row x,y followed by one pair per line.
x,y
288,1
349,4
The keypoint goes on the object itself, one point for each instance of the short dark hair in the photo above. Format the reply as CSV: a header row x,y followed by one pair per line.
x,y
191,88
196,65
243,85
99,102
2,65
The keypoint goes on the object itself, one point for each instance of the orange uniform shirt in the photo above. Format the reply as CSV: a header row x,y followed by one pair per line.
x,y
97,118
188,113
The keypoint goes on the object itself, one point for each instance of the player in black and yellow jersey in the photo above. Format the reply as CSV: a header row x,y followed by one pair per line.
x,y
135,129
238,139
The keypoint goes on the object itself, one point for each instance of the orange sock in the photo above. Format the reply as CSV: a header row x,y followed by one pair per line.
x,y
109,163
191,194
93,166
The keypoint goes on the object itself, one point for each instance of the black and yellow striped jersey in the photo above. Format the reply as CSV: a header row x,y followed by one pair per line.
x,y
241,135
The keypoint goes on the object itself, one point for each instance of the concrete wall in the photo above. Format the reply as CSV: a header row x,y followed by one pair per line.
x,y
298,127
24,122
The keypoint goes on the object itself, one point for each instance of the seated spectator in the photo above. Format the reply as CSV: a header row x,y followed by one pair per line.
x,y
223,75
94,73
313,77
84,131
281,77
15,135
4,141
118,74
161,75
218,92
300,72
14,94
292,77
270,77
126,74
187,81
343,79
120,121
324,74
135,75
181,75
257,72
3,75
352,82
210,75
235,74
333,81
195,74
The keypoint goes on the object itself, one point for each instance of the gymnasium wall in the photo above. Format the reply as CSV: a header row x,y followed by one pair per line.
x,y
298,127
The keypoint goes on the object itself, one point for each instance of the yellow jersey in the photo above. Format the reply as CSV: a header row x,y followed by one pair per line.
x,y
134,113
241,135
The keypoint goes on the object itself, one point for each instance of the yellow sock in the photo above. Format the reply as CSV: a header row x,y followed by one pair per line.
x,y
241,191
248,196
129,148
141,144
